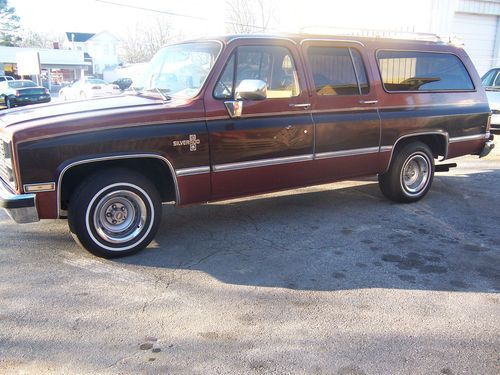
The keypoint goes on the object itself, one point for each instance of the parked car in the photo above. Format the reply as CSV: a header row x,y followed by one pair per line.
x,y
241,115
88,88
22,92
491,82
6,78
123,83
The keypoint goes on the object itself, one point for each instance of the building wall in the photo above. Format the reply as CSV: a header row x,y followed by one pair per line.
x,y
476,23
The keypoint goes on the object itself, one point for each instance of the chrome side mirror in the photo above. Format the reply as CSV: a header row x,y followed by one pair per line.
x,y
234,108
251,89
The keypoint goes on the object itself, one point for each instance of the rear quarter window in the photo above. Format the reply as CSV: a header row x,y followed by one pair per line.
x,y
422,71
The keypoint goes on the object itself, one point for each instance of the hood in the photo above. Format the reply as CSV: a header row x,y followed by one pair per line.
x,y
57,119
48,111
493,99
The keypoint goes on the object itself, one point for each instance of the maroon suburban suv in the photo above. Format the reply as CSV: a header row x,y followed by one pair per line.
x,y
240,115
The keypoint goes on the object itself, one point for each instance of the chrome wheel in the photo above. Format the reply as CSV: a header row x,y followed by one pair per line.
x,y
415,173
119,216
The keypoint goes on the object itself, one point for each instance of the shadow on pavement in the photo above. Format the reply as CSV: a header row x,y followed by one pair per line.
x,y
347,238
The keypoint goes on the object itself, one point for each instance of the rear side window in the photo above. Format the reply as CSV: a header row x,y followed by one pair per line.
x,y
271,64
422,71
337,71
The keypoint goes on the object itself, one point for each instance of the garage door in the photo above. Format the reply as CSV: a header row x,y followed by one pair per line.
x,y
478,33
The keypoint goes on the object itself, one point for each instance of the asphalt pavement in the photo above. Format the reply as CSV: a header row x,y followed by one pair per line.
x,y
332,279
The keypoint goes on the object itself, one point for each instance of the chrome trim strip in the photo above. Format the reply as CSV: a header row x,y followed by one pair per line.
x,y
106,158
353,152
385,148
261,163
406,107
330,40
470,137
192,171
39,188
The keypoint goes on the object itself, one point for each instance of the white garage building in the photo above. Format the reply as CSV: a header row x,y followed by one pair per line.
x,y
476,23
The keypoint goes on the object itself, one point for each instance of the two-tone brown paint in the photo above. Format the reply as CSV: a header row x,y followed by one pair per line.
x,y
324,135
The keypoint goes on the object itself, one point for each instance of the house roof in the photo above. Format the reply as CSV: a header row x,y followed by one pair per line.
x,y
79,37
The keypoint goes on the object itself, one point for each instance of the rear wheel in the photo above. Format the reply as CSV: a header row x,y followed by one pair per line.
x,y
8,102
115,213
410,174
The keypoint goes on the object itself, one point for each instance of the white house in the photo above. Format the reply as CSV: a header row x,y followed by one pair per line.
x,y
101,47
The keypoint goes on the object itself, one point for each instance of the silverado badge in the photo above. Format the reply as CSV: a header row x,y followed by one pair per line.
x,y
192,142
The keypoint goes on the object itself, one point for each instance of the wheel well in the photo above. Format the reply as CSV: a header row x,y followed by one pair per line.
x,y
154,169
438,143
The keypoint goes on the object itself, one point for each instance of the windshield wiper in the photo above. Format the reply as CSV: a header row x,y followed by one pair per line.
x,y
492,88
141,91
163,93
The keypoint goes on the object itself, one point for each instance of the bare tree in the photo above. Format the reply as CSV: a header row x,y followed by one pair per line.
x,y
142,42
244,16
35,39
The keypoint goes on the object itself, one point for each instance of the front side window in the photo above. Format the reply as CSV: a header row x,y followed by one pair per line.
x,y
273,65
337,71
422,71
179,70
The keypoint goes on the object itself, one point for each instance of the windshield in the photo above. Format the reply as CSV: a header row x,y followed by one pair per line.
x,y
179,70
19,84
96,81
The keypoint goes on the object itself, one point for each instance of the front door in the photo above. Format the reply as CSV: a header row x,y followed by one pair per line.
x,y
266,147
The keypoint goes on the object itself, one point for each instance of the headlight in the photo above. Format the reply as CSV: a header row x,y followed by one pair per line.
x,y
6,170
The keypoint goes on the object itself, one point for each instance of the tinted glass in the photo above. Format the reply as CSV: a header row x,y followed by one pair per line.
x,y
333,71
360,71
489,77
20,84
496,83
96,81
224,87
273,65
422,71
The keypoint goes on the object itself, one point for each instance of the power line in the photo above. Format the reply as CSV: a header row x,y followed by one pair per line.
x,y
175,14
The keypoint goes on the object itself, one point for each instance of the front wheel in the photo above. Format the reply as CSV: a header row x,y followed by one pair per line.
x,y
8,102
410,174
115,213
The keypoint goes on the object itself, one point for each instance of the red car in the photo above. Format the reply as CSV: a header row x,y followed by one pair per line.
x,y
242,115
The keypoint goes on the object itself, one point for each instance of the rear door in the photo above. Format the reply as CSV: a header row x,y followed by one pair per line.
x,y
344,109
267,147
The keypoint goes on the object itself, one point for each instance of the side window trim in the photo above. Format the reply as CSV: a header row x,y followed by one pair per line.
x,y
356,73
235,53
474,89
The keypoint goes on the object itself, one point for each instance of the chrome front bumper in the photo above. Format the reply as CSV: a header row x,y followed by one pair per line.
x,y
20,207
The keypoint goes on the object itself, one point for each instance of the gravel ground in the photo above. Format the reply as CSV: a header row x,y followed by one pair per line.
x,y
326,280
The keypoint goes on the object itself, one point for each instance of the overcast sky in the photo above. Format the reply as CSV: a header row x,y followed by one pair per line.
x,y
292,15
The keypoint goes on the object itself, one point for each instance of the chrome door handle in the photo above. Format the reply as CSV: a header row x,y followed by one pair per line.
x,y
368,101
288,127
303,105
